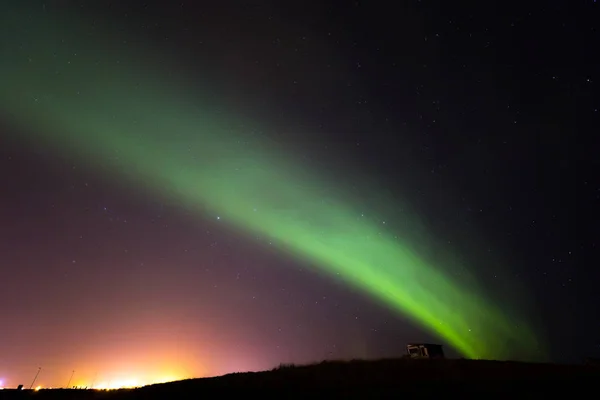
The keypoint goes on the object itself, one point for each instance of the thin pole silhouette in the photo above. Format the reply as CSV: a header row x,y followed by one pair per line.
x,y
68,383
36,375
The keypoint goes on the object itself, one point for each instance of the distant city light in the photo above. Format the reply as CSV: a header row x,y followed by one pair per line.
x,y
130,383
167,379
118,384
37,388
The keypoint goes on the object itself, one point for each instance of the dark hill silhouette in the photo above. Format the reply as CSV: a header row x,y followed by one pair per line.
x,y
365,379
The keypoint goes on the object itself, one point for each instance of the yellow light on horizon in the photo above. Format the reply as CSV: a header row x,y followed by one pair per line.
x,y
131,377
168,379
118,384
37,388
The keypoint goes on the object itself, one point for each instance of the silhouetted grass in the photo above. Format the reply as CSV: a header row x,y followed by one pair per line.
x,y
366,379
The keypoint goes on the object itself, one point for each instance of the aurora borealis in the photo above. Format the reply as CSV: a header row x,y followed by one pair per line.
x,y
133,117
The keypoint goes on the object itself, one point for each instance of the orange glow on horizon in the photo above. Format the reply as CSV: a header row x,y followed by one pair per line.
x,y
133,378
120,362
129,376
127,383
118,384
123,364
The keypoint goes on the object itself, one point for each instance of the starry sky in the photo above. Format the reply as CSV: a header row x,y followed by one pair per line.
x,y
465,131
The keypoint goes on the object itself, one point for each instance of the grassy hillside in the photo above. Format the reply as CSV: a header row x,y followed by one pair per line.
x,y
366,379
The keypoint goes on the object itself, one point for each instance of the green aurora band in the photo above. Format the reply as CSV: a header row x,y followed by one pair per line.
x,y
69,93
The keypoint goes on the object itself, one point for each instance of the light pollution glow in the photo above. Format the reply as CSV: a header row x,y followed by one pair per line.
x,y
114,380
119,383
116,116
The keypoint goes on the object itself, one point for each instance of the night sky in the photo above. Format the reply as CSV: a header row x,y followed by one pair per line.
x,y
465,129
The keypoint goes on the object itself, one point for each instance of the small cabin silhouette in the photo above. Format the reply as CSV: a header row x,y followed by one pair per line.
x,y
425,350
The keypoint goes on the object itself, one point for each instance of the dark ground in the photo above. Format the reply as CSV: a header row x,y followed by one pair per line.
x,y
366,379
